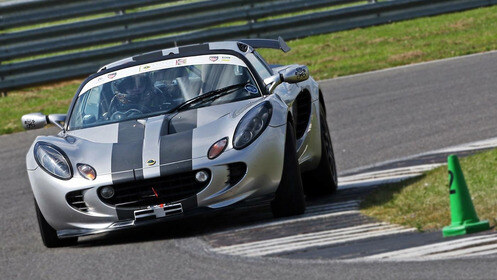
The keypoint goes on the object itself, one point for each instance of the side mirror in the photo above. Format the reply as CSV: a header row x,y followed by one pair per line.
x,y
34,121
38,120
295,74
57,119
292,74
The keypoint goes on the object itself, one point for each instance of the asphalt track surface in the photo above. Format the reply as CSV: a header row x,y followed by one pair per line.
x,y
374,117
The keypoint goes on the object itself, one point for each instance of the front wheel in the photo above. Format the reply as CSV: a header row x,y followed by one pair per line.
x,y
49,234
289,198
323,180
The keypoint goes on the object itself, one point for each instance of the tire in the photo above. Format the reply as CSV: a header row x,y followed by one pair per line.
x,y
323,180
49,234
289,198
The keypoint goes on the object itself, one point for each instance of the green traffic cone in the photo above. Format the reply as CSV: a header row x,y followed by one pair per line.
x,y
464,218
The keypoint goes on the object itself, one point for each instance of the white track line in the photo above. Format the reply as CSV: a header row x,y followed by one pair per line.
x,y
327,207
335,204
478,145
377,182
384,176
465,252
312,213
280,240
290,221
432,249
472,146
332,241
316,239
389,173
330,208
484,253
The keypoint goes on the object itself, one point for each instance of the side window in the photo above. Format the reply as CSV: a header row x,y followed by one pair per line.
x,y
92,102
259,66
261,59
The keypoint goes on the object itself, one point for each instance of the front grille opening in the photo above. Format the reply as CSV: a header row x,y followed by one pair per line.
x,y
303,113
75,199
167,189
236,172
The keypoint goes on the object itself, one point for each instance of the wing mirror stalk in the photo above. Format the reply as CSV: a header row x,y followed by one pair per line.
x,y
292,74
38,120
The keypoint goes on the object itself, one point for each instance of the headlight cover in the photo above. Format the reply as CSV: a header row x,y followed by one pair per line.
x,y
252,125
53,160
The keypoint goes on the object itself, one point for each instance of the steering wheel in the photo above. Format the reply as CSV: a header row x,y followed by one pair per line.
x,y
119,115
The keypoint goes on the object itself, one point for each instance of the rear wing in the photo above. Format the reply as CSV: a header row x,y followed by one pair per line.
x,y
267,44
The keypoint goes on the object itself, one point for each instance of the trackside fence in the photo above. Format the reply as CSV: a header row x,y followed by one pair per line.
x,y
49,40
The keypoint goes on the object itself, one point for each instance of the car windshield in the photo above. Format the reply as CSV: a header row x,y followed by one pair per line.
x,y
160,87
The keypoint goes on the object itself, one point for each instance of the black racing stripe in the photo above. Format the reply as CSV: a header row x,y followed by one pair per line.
x,y
139,174
173,148
122,177
183,121
127,152
193,49
130,132
179,167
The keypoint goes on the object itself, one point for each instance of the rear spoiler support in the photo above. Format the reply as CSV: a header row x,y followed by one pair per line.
x,y
267,44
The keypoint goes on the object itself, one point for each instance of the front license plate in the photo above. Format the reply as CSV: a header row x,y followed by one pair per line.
x,y
159,211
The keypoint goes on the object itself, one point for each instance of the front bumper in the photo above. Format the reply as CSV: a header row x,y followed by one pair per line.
x,y
263,158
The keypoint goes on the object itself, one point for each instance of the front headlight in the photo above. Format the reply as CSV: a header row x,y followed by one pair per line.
x,y
252,125
53,160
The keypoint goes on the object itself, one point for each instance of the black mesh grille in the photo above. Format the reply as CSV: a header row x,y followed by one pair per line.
x,y
155,191
75,199
237,171
303,113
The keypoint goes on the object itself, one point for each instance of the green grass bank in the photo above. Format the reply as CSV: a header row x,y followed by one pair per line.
x,y
424,202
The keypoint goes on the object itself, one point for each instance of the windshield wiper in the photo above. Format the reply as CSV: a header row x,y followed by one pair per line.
x,y
208,95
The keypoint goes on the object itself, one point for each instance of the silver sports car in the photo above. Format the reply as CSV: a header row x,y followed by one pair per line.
x,y
179,132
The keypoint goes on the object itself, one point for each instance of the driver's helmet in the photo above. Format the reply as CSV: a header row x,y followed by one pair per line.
x,y
129,90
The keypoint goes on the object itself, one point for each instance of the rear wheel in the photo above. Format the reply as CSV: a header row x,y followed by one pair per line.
x,y
323,180
49,234
289,198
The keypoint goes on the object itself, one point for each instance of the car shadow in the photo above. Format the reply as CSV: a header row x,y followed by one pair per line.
x,y
199,225
208,223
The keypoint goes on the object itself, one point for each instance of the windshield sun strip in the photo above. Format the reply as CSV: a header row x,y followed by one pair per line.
x,y
160,65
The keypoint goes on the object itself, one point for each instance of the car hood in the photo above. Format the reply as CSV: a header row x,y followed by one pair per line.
x,y
152,147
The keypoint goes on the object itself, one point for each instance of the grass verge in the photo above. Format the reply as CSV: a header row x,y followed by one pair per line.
x,y
424,202
400,43
46,99
328,55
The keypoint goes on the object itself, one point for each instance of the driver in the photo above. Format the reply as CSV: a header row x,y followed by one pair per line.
x,y
135,92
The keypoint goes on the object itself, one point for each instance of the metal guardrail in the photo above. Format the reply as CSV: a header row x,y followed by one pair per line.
x,y
33,55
